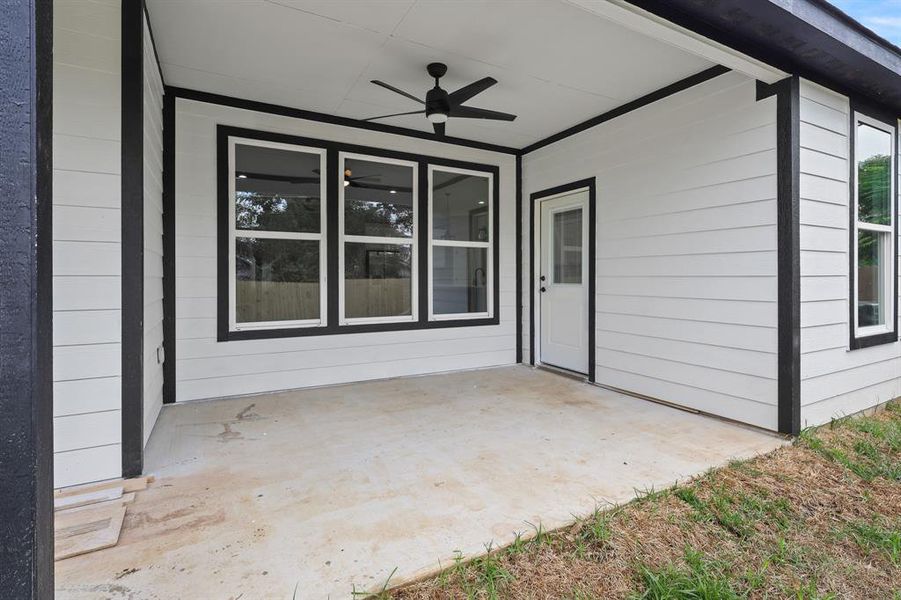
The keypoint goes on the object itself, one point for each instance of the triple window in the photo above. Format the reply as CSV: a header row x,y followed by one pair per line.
x,y
330,239
874,237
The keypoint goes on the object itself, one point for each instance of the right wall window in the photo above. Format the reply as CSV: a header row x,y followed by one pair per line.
x,y
873,239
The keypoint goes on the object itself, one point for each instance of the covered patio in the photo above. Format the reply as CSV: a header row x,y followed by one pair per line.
x,y
327,490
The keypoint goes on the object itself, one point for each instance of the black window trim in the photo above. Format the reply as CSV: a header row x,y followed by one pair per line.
x,y
332,327
891,122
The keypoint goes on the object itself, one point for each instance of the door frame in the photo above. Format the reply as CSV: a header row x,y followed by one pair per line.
x,y
534,250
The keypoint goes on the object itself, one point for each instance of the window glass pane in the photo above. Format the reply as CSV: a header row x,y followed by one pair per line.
x,y
276,189
874,172
870,281
459,280
276,280
377,280
378,199
568,246
459,207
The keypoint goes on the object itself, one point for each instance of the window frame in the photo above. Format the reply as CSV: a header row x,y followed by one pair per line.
x,y
490,245
873,335
234,233
344,238
333,275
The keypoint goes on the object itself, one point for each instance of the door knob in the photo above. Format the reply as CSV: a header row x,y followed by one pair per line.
x,y
543,289
542,278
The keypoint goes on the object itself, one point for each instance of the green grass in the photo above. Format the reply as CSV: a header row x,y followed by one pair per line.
x,y
874,537
699,579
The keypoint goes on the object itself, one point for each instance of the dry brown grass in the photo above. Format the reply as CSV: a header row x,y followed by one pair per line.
x,y
818,519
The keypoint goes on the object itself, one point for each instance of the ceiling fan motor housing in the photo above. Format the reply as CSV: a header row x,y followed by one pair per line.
x,y
436,102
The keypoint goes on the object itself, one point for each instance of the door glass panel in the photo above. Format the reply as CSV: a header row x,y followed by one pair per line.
x,y
378,199
568,246
871,295
276,189
377,280
459,280
874,175
276,280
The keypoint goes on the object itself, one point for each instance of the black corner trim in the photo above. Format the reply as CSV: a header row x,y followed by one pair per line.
x,y
168,248
519,258
673,88
132,238
788,182
26,300
858,105
223,132
299,113
589,184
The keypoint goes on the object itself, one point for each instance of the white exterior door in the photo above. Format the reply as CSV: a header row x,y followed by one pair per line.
x,y
563,282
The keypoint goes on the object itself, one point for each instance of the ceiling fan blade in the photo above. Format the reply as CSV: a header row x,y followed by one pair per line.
x,y
396,91
412,112
468,91
470,112
439,128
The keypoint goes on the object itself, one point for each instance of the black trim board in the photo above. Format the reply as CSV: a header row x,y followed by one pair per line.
x,y
223,132
891,121
589,184
132,215
788,226
26,296
298,113
519,258
168,248
669,90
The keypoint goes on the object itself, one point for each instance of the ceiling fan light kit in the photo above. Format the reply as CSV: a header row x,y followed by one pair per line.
x,y
441,105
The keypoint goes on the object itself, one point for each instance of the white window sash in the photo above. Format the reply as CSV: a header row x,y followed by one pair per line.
x,y
489,245
366,239
235,233
889,254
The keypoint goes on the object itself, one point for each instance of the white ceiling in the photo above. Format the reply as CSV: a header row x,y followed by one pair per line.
x,y
557,64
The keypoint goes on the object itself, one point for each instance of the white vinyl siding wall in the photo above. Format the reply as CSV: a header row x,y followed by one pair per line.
x,y
208,369
86,241
834,380
686,246
153,235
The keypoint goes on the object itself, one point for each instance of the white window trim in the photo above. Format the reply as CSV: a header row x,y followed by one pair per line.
x,y
889,253
235,233
462,244
397,241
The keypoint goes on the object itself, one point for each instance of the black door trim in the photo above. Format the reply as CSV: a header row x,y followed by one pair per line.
x,y
590,185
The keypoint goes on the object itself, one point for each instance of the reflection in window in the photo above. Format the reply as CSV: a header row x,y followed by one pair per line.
x,y
568,246
276,280
873,173
378,238
277,234
378,199
461,240
276,190
377,280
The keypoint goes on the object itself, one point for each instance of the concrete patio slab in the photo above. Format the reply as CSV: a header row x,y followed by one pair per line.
x,y
327,490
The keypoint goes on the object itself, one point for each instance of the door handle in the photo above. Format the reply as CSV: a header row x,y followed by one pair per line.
x,y
542,278
543,289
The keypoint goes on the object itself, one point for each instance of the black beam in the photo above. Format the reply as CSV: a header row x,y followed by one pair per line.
x,y
132,237
26,289
168,248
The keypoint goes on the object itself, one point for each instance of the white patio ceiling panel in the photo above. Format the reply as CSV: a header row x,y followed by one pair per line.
x,y
557,64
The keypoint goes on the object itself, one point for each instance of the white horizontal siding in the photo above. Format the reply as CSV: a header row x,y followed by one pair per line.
x,y
686,254
153,235
834,380
86,241
206,368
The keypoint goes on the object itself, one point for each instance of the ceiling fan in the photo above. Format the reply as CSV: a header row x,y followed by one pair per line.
x,y
440,105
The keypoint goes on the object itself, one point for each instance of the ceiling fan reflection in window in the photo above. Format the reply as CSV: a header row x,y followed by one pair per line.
x,y
441,105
